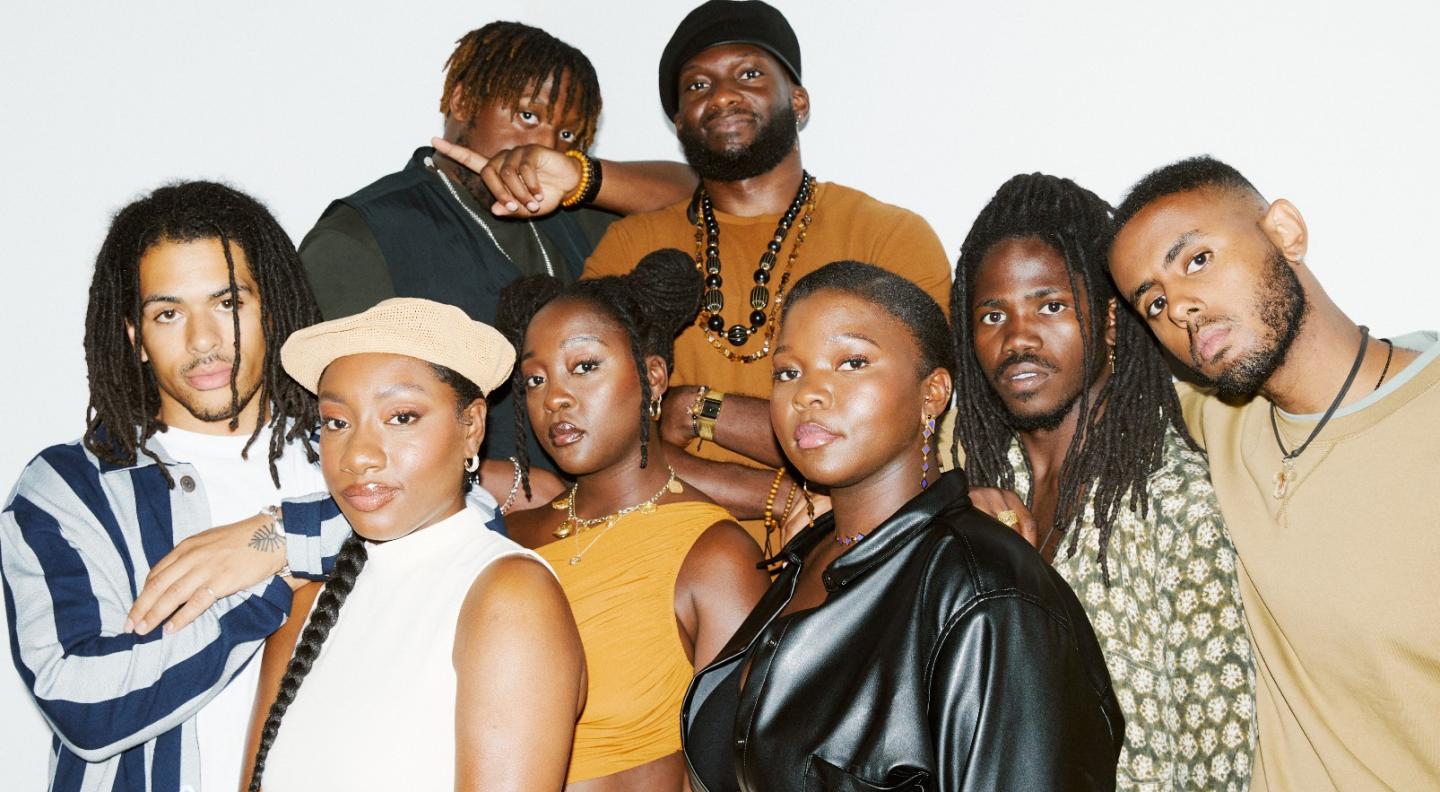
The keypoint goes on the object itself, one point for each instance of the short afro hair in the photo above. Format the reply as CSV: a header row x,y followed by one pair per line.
x,y
1188,174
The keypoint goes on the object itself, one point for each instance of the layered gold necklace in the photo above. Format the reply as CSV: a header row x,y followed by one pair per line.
x,y
574,525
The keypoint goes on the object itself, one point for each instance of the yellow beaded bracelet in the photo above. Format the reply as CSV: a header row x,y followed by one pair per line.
x,y
587,172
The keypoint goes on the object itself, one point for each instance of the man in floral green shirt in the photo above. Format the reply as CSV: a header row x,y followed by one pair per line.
x,y
1072,435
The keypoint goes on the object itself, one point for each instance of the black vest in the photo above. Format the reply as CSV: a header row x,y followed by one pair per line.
x,y
435,250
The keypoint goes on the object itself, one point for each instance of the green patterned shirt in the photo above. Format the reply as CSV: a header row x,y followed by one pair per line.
x,y
1172,629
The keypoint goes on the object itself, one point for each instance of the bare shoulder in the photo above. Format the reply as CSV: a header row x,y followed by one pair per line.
x,y
534,527
723,552
515,583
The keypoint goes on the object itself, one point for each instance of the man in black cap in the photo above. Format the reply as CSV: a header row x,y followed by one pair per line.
x,y
730,80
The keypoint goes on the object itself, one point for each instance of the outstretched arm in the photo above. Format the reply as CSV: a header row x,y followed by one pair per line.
x,y
69,585
741,490
743,425
221,561
521,680
531,181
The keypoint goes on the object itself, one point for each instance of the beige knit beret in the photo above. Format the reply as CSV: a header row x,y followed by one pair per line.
x,y
423,329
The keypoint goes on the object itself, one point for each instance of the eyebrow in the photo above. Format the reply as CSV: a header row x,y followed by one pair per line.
x,y
996,302
570,342
1179,245
580,339
167,298
384,393
855,336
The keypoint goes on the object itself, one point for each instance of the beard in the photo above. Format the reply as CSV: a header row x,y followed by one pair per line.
x,y
774,141
1282,307
1042,422
1033,422
230,409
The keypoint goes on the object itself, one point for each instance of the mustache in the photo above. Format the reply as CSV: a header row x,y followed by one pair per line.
x,y
725,113
208,360
1016,359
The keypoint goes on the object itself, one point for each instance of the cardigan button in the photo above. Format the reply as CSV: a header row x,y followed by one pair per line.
x,y
187,483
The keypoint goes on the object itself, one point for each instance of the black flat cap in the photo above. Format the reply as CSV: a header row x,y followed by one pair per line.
x,y
726,22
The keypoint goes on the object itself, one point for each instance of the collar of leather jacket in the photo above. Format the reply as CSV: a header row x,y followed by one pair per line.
x,y
950,491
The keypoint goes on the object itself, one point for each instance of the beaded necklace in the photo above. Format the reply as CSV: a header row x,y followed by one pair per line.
x,y
707,261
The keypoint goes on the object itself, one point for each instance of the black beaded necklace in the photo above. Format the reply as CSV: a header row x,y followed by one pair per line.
x,y
708,261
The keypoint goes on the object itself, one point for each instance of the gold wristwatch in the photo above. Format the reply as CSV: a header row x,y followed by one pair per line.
x,y
705,420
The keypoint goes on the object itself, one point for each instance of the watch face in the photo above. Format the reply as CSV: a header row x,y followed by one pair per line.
x,y
710,409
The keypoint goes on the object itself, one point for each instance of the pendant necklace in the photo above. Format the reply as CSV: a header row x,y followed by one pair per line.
x,y
1287,475
707,261
549,268
574,525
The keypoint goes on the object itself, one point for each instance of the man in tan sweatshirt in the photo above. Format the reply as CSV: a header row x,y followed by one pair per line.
x,y
1322,445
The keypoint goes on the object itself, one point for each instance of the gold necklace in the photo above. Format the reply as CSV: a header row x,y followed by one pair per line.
x,y
575,525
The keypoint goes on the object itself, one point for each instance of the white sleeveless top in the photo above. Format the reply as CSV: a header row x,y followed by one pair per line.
x,y
377,710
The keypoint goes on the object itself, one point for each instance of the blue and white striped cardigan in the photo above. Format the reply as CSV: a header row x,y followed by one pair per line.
x,y
77,538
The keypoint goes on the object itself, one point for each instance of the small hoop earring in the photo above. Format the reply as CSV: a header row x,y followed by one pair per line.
x,y
654,409
925,434
472,464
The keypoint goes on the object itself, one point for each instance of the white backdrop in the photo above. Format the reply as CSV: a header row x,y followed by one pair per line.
x,y
927,106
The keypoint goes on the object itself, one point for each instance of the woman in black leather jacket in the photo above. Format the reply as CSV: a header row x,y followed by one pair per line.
x,y
910,642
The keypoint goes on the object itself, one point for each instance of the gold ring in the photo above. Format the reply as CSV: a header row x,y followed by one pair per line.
x,y
1008,517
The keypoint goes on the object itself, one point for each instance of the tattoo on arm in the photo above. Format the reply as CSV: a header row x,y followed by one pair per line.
x,y
266,539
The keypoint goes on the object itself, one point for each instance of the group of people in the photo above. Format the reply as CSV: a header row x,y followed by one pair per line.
x,y
528,470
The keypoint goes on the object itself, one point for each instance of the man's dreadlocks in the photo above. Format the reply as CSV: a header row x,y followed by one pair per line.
x,y
1116,448
124,408
504,62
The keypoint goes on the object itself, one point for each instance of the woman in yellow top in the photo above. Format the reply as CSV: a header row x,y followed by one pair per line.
x,y
658,576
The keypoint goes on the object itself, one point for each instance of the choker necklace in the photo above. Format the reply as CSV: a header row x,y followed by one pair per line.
x,y
707,261
1287,458
846,541
1389,353
549,268
574,525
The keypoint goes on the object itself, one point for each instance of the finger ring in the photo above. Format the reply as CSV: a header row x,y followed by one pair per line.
x,y
215,596
1008,517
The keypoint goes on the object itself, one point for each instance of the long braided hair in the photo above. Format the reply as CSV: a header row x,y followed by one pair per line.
x,y
348,565
124,408
502,61
1120,439
652,304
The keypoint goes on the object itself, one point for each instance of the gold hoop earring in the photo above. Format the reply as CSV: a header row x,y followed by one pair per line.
x,y
654,409
925,434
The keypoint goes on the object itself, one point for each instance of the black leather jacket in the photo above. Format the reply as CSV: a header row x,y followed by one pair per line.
x,y
946,656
